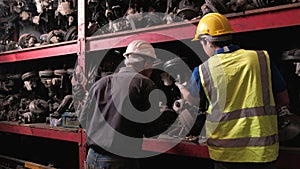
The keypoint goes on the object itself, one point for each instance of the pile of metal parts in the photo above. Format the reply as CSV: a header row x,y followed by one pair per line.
x,y
29,23
289,117
32,96
113,16
188,120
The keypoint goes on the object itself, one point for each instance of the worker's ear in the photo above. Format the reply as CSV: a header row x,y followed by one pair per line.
x,y
210,44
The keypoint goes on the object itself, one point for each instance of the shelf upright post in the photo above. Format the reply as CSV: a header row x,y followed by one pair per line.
x,y
82,148
81,43
81,33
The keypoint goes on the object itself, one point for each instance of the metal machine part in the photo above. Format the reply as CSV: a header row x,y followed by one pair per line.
x,y
292,59
294,56
65,105
27,40
188,9
190,121
288,124
55,36
18,17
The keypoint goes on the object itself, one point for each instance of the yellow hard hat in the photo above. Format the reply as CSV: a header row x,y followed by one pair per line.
x,y
213,24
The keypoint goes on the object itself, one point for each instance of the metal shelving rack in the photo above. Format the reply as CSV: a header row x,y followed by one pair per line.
x,y
252,20
43,130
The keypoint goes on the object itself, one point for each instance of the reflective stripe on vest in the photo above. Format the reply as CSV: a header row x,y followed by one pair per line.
x,y
243,130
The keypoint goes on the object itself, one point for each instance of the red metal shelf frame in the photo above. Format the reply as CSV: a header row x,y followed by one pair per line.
x,y
58,49
43,130
266,18
251,20
182,148
288,156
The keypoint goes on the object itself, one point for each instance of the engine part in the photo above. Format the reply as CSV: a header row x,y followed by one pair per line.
x,y
13,83
29,75
71,34
64,8
188,9
60,72
27,40
46,74
64,106
152,19
240,5
12,45
55,36
217,6
178,105
291,55
294,56
34,86
27,118
178,69
268,3
288,124
190,121
38,106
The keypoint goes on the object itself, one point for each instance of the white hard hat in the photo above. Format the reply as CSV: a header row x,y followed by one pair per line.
x,y
141,47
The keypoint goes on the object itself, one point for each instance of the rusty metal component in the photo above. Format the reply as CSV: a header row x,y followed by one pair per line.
x,y
288,123
47,16
291,55
38,106
188,9
65,105
27,40
240,5
29,75
55,36
71,34
268,3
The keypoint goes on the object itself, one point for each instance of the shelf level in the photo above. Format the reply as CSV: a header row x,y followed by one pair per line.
x,y
60,49
42,130
252,20
288,156
182,148
266,18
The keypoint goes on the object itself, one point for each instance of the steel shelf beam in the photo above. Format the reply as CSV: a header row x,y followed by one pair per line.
x,y
251,20
183,148
45,51
43,130
266,18
288,156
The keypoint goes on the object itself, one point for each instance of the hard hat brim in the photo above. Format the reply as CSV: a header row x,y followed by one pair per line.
x,y
195,39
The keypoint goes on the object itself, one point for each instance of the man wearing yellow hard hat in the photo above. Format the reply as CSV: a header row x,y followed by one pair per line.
x,y
242,89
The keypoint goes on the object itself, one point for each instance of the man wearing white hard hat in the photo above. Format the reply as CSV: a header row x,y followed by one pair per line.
x,y
120,111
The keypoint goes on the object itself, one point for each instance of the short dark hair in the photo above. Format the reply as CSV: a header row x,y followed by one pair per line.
x,y
223,43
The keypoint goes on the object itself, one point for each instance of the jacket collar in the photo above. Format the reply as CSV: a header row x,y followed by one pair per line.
x,y
227,49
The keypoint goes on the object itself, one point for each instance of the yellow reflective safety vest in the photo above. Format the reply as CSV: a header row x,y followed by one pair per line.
x,y
241,124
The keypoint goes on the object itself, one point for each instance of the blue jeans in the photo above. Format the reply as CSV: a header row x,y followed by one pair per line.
x,y
106,160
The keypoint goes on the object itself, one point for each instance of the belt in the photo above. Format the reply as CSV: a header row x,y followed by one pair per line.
x,y
100,150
